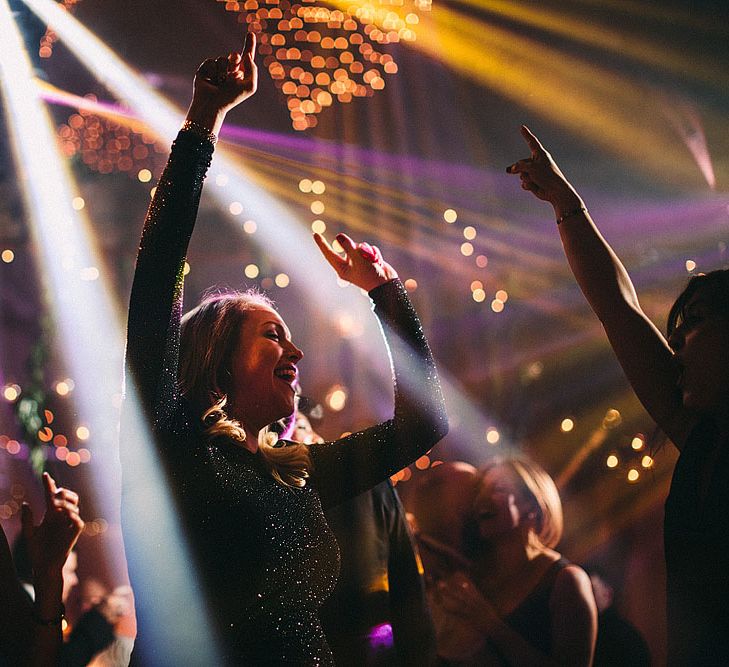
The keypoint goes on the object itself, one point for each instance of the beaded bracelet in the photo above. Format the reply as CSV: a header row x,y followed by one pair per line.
x,y
49,622
200,131
569,214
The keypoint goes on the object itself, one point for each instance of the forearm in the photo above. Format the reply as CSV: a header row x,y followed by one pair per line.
x,y
420,418
48,592
47,619
156,298
599,272
351,465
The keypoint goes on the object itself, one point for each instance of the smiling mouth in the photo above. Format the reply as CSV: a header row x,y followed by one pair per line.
x,y
287,374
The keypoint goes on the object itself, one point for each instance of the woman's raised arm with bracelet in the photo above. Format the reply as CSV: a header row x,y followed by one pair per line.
x,y
642,350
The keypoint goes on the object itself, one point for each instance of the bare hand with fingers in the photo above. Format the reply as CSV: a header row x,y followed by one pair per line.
x,y
540,175
362,264
50,543
223,83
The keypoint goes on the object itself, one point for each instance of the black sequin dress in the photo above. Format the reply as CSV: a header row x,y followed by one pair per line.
x,y
264,553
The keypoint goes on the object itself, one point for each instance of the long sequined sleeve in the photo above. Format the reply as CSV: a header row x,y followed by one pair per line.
x,y
155,307
351,465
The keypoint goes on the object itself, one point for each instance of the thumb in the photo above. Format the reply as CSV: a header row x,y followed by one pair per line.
x,y
26,522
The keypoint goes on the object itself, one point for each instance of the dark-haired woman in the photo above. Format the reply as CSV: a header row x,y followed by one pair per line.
x,y
253,511
683,382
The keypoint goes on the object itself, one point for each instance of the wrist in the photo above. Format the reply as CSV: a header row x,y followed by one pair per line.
x,y
48,606
567,204
376,285
206,116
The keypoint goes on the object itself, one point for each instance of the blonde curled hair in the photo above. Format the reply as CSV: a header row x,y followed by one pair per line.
x,y
541,492
210,333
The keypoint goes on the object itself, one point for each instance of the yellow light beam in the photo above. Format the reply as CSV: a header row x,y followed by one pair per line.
x,y
637,47
612,111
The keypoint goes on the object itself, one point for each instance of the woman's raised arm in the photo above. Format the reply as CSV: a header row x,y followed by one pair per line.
x,y
351,465
155,307
642,351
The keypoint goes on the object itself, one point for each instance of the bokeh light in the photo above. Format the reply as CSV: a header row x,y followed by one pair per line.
x,y
336,398
317,55
450,216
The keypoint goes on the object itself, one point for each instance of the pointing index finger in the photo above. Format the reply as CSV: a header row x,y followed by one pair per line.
x,y
533,143
332,257
249,45
49,487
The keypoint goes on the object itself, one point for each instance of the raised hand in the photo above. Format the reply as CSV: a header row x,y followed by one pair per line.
x,y
50,542
362,264
222,83
540,175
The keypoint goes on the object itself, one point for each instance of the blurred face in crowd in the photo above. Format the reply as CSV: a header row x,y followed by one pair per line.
x,y
501,505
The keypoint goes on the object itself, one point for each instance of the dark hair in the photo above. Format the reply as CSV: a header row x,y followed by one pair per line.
x,y
715,285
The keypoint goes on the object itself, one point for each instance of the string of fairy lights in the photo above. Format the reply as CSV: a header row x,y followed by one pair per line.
x,y
317,56
106,145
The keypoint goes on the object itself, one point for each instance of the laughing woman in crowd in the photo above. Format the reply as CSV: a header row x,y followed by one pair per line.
x,y
211,383
683,382
519,602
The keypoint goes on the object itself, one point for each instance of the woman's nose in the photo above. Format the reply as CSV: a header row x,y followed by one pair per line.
x,y
295,354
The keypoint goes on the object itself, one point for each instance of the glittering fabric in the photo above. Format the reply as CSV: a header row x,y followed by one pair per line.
x,y
265,554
